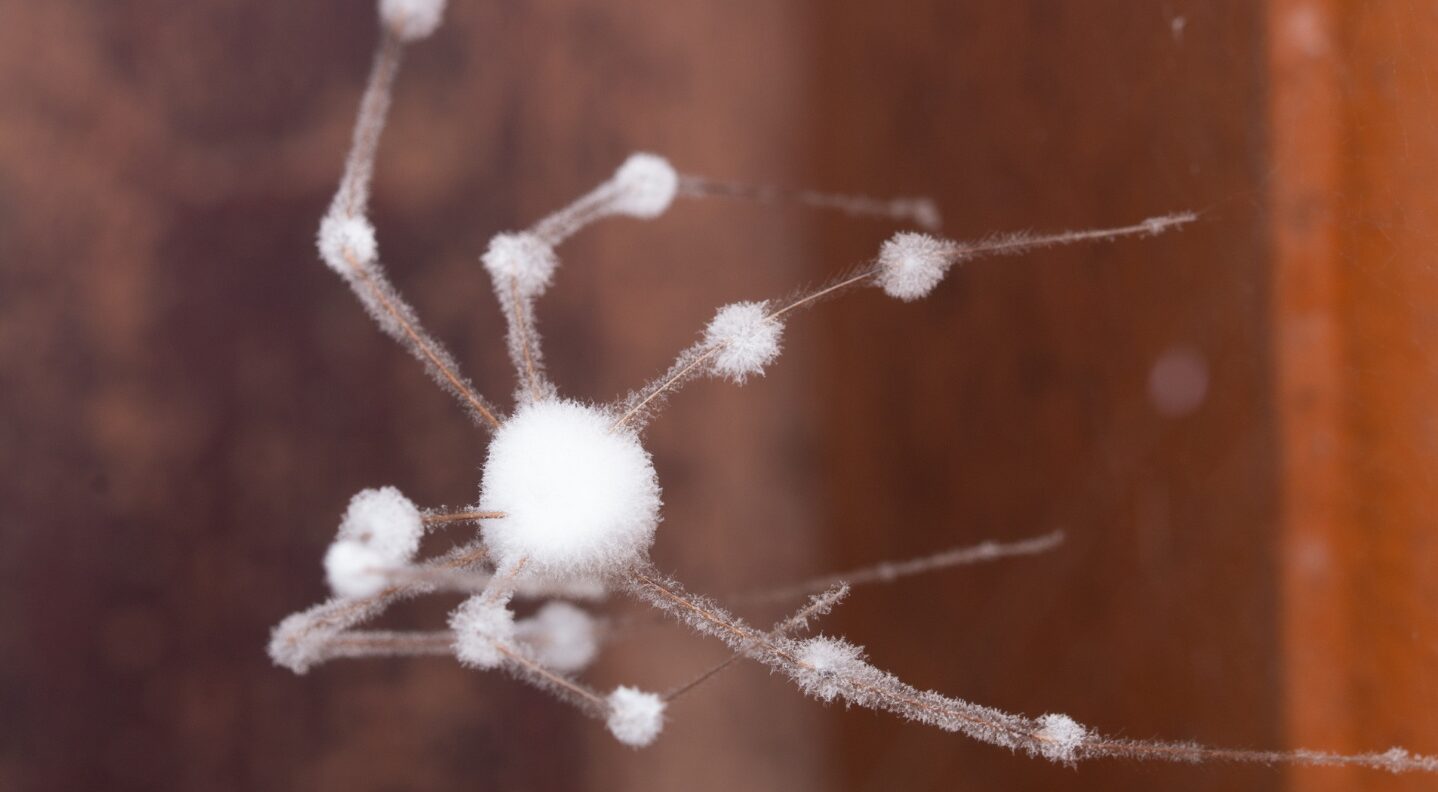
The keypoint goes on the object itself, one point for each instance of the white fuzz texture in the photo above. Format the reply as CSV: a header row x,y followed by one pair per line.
x,y
482,625
825,663
1060,737
412,20
355,569
385,521
635,717
570,587
747,340
911,265
562,637
345,236
522,259
578,498
646,185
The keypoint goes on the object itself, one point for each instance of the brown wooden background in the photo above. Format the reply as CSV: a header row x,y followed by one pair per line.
x,y
187,399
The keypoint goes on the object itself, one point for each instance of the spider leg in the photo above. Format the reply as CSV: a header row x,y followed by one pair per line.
x,y
347,241
828,668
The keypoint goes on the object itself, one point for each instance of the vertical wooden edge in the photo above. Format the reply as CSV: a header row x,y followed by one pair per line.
x,y
1305,131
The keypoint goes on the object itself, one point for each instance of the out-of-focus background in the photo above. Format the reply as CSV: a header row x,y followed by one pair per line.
x,y
1231,423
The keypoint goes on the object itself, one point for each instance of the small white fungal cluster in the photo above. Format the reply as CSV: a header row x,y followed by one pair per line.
x,y
635,717
912,264
412,20
561,637
483,630
346,241
825,664
1060,737
522,260
644,186
380,532
744,339
569,501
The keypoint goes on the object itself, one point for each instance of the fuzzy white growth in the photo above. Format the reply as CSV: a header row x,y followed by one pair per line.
x,y
386,521
523,260
911,264
482,625
825,663
635,717
642,187
412,20
346,240
355,569
745,338
1060,737
577,497
645,186
560,636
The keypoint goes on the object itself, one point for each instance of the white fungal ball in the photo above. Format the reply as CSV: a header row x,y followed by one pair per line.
x,y
482,625
346,240
412,20
911,264
647,185
578,497
522,259
386,521
635,717
747,340
355,569
1060,737
824,663
561,636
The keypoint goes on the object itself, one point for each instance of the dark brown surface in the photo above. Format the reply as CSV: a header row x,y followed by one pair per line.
x,y
189,398
1020,401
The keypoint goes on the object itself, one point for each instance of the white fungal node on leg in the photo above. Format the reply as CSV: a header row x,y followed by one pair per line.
x,y
912,264
578,498
482,625
824,663
635,717
386,521
561,637
412,20
745,338
355,569
346,240
646,185
521,259
1060,737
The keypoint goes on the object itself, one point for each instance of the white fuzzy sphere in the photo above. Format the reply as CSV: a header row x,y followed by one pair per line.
x,y
911,265
647,185
635,717
355,569
563,637
522,259
386,521
412,20
481,627
747,340
343,237
1060,737
578,499
825,662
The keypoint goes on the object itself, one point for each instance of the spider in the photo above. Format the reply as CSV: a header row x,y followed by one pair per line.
x,y
569,501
